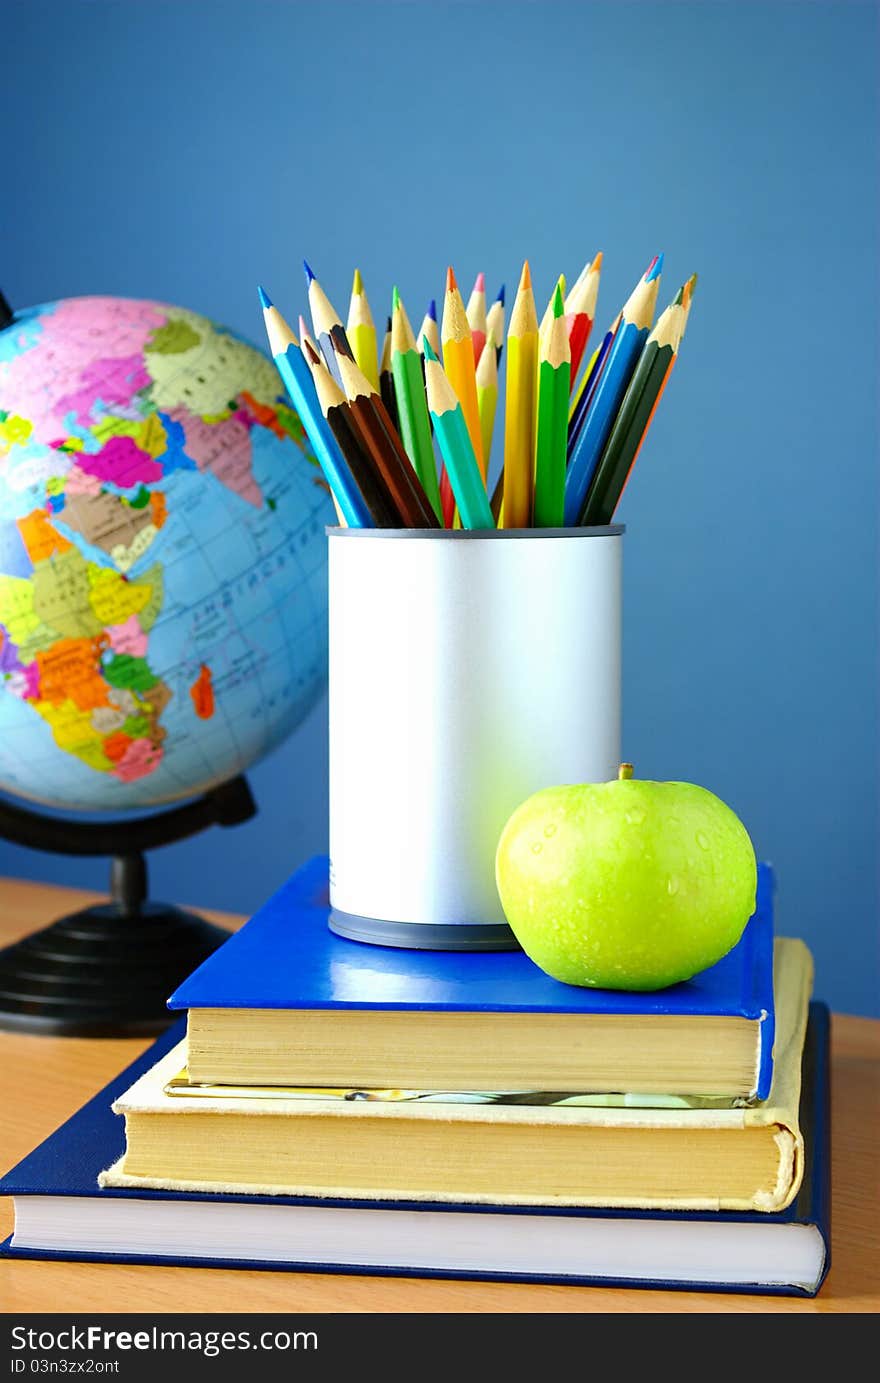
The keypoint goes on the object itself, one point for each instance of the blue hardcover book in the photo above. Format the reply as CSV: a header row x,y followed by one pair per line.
x,y
288,1002
61,1213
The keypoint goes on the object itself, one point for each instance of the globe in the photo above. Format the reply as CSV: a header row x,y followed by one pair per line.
x,y
162,557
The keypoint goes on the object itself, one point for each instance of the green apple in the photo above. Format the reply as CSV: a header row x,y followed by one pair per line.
x,y
626,885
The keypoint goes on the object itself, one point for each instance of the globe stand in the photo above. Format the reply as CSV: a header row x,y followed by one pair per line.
x,y
107,970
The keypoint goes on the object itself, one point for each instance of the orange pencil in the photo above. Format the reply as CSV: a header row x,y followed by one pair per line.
x,y
458,363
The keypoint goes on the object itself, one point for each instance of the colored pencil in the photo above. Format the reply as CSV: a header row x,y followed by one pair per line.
x,y
547,319
630,337
456,446
649,379
412,407
476,315
311,354
587,387
306,341
487,394
496,503
430,331
361,331
385,447
520,406
553,376
301,387
458,363
580,313
337,412
688,298
324,318
386,377
495,323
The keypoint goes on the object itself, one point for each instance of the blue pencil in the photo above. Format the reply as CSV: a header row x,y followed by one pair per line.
x,y
588,389
300,386
630,337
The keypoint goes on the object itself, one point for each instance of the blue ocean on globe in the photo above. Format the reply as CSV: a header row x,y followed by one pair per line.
x,y
163,593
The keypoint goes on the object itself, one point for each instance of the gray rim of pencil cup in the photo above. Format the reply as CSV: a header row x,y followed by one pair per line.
x,y
611,530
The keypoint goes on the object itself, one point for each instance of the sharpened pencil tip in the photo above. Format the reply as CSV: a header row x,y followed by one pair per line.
x,y
559,300
480,283
303,327
692,283
428,350
432,310
395,299
596,264
451,284
526,276
500,297
560,283
655,269
357,284
265,300
308,269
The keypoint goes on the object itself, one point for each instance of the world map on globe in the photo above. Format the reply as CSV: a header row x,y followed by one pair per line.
x,y
162,556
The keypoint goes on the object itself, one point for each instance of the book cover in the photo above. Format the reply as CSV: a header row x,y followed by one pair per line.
x,y
702,1250
673,1158
286,957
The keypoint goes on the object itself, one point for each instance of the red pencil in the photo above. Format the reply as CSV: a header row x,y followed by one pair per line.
x,y
580,313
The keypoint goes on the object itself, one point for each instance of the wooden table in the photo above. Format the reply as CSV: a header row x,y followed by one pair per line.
x,y
43,1080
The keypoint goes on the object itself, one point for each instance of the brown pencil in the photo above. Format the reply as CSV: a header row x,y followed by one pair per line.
x,y
337,412
385,447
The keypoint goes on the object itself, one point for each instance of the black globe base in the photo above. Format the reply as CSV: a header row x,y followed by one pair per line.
x,y
107,971
100,973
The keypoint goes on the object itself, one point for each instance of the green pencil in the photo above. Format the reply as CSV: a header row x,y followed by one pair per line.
x,y
636,412
455,446
412,407
554,377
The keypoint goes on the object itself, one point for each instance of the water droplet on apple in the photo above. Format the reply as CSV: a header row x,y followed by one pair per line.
x,y
702,840
549,831
672,885
635,816
537,848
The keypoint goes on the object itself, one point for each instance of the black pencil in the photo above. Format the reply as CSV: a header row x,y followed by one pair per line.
x,y
382,440
636,412
337,412
386,379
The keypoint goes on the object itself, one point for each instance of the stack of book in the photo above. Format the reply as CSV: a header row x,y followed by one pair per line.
x,y
332,1105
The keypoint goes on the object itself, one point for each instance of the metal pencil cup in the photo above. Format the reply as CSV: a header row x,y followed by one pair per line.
x,y
467,670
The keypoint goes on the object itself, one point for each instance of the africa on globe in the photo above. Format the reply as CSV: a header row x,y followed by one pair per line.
x,y
162,563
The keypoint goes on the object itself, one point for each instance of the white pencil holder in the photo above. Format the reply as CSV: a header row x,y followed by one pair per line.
x,y
467,670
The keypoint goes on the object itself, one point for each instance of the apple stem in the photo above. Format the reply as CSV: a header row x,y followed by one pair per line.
x,y
625,771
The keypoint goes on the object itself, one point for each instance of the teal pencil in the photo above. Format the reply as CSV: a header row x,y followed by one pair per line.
x,y
455,444
300,386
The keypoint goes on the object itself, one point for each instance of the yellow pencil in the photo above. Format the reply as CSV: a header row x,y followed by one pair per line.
x,y
361,331
520,406
487,394
458,363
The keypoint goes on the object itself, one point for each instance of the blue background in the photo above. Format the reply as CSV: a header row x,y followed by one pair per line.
x,y
184,152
